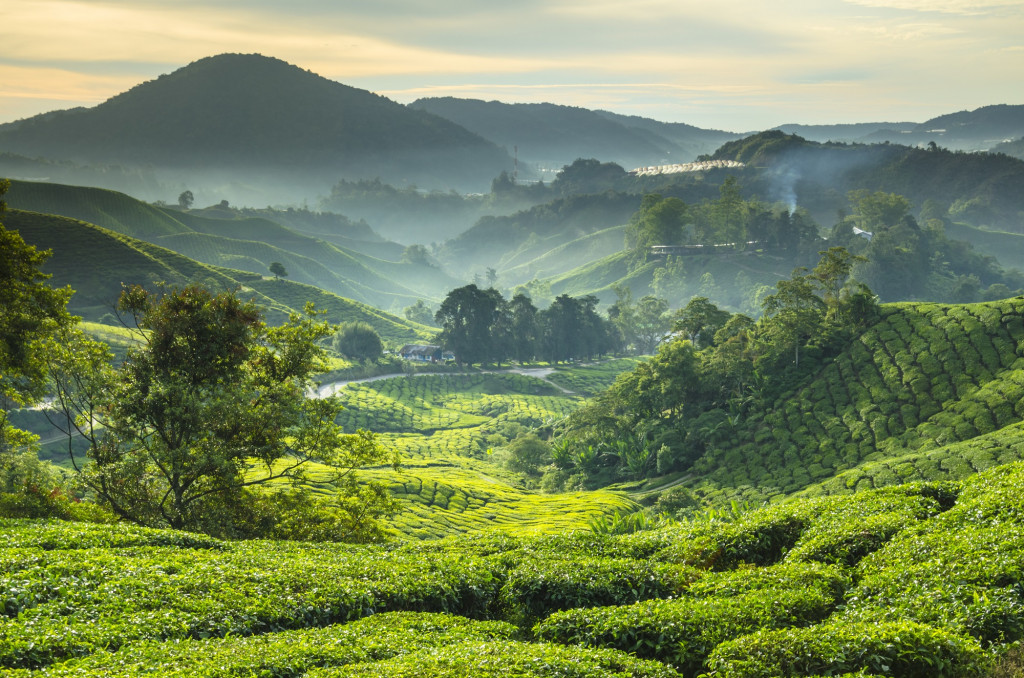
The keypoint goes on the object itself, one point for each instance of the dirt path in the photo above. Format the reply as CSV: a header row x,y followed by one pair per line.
x,y
541,373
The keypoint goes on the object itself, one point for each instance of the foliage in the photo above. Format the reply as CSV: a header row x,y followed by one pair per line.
x,y
358,341
210,391
898,649
277,269
481,326
32,316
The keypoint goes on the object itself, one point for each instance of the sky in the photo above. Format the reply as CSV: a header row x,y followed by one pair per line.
x,y
736,65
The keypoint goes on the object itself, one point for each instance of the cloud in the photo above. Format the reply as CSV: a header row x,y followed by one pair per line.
x,y
964,7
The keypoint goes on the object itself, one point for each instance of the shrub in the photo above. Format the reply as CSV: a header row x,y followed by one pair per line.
x,y
682,632
905,649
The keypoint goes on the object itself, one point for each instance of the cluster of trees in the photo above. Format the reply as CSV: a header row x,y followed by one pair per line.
x,y
906,258
481,326
728,220
661,417
208,411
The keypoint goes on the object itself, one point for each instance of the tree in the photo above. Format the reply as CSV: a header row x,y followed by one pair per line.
x,y
278,269
524,328
466,317
185,200
416,254
419,313
358,341
652,323
793,314
659,221
211,405
831,274
699,320
32,316
527,454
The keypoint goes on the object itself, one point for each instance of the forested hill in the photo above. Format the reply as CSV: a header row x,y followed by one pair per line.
x,y
980,188
250,113
554,135
927,392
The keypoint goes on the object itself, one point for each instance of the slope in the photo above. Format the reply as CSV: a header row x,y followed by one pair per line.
x,y
245,243
931,391
552,135
259,118
96,261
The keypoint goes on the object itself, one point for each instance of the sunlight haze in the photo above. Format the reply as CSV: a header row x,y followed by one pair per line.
x,y
738,66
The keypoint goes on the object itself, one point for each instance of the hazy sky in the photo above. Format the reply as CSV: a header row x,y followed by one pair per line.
x,y
738,65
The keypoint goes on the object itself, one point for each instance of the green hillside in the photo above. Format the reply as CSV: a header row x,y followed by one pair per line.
x,y
244,243
1006,248
928,392
95,262
931,392
730,279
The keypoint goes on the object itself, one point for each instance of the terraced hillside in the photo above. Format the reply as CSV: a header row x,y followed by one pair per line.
x,y
96,261
445,427
245,243
922,579
931,392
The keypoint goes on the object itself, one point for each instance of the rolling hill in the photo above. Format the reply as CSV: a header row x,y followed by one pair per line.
x,y
96,261
251,243
246,119
979,130
550,135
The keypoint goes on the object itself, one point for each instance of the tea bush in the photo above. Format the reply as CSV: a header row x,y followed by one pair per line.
x,y
904,649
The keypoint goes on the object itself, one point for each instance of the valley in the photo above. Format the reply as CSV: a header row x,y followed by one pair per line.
x,y
755,408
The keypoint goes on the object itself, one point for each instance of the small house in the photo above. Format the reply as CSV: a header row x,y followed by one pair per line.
x,y
421,353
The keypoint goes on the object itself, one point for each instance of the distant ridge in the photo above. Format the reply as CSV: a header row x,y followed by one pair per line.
x,y
553,135
262,115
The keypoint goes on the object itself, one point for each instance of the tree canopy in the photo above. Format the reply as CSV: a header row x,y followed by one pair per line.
x,y
210,405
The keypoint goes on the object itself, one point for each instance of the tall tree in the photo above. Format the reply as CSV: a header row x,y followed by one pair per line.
x,y
31,313
32,317
831,275
466,317
793,313
211,404
699,320
652,323
525,331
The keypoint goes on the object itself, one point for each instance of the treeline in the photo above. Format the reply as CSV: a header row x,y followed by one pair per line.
x,y
481,326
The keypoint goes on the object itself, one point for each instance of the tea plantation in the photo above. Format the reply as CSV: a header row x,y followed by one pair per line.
x,y
922,579
931,392
443,426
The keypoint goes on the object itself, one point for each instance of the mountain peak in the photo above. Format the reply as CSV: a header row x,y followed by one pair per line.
x,y
257,113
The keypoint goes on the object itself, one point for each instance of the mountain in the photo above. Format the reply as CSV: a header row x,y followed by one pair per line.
x,y
979,130
986,189
849,132
247,118
97,261
220,236
550,135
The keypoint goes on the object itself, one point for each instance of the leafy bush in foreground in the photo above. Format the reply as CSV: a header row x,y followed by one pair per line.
x,y
682,632
288,653
536,588
502,659
905,649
